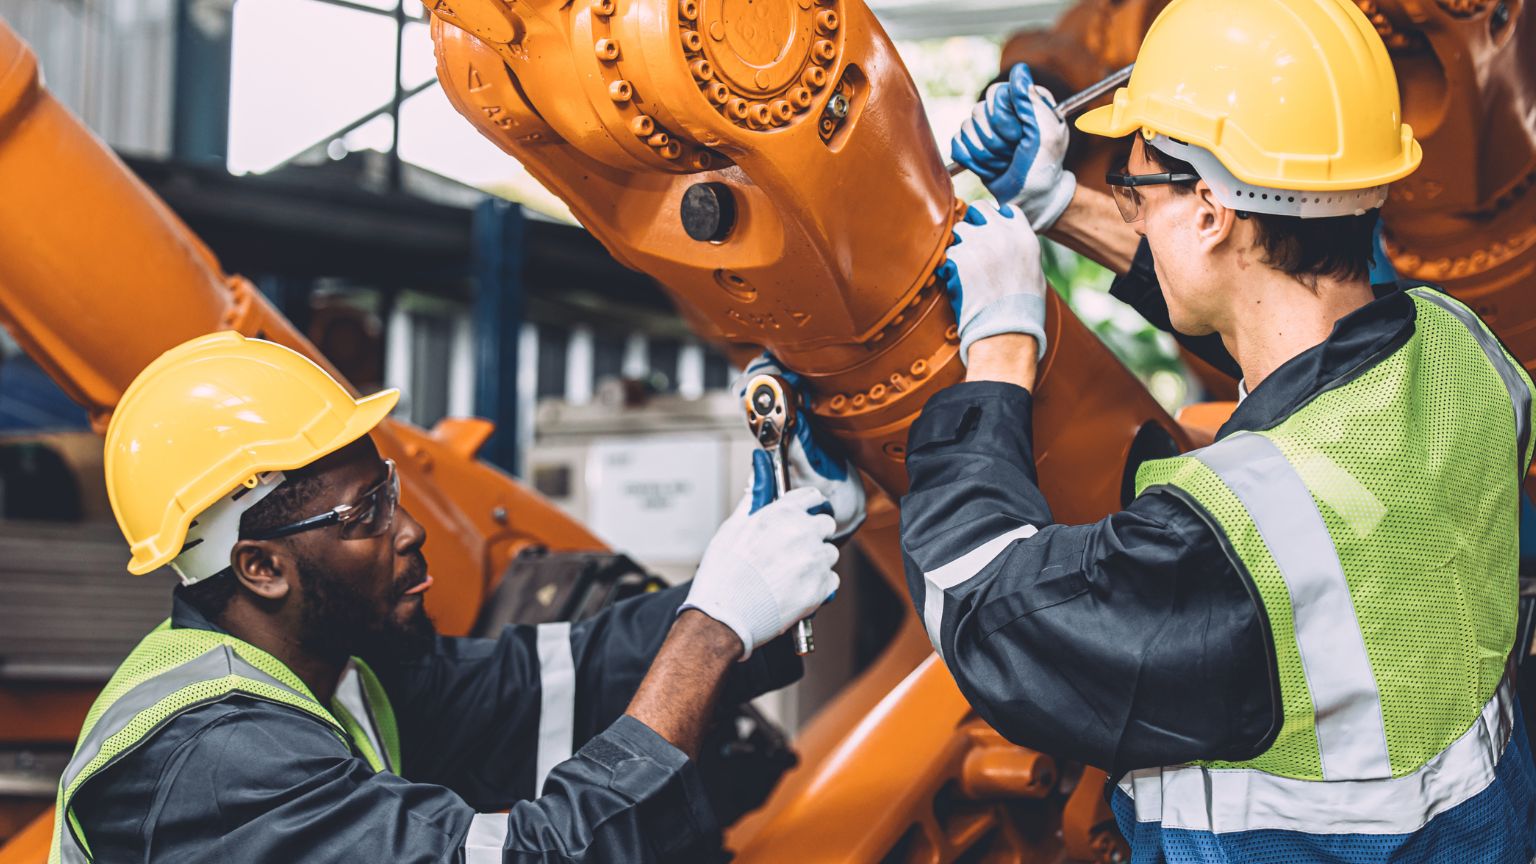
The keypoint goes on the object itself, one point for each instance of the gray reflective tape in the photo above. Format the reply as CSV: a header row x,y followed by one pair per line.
x,y
1351,736
218,662
486,839
1514,382
349,692
557,699
959,571
1226,801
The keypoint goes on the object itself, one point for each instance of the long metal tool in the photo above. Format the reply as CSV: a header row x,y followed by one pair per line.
x,y
772,406
1073,104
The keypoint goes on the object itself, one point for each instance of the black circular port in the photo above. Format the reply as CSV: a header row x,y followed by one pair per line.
x,y
1499,19
709,212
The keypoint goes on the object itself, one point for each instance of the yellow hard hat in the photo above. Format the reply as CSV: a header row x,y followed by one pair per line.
x,y
211,415
1286,94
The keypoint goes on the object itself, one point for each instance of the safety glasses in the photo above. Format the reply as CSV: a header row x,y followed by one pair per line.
x,y
1123,187
371,515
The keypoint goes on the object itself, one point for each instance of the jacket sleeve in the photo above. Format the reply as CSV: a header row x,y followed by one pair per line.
x,y
269,785
1128,643
1139,289
487,717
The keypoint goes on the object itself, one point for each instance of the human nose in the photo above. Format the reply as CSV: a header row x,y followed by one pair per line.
x,y
409,534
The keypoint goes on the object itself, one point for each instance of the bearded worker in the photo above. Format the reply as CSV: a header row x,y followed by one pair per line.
x,y
298,705
1293,645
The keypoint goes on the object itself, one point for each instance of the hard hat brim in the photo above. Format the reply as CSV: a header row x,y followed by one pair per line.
x,y
370,412
1101,121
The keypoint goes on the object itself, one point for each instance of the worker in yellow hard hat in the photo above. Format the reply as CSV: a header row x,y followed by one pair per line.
x,y
298,706
1294,645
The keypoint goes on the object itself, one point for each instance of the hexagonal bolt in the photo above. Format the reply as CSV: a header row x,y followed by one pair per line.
x,y
701,69
739,108
783,112
642,126
838,106
761,114
604,8
919,368
689,9
692,41
859,401
660,139
719,93
670,150
621,91
607,49
824,51
826,22
877,393
702,160
814,77
838,404
800,97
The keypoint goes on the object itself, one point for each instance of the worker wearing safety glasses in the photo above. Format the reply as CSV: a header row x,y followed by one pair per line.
x,y
1294,644
299,707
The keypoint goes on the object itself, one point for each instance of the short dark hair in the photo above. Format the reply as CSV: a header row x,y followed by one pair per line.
x,y
289,502
1304,249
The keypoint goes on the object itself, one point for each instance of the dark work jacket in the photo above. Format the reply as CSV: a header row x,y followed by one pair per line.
x,y
243,780
1136,641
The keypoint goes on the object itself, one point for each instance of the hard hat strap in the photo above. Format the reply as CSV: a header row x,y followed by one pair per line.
x,y
215,530
1247,197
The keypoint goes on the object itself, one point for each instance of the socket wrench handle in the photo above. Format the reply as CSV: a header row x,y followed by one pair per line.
x,y
772,406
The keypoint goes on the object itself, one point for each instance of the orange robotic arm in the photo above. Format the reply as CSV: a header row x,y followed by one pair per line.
x,y
769,162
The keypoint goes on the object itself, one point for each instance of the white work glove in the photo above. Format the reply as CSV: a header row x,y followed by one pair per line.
x,y
765,571
810,463
993,277
1016,144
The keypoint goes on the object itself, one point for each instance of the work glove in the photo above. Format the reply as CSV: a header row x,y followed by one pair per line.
x,y
1016,144
993,277
810,463
768,569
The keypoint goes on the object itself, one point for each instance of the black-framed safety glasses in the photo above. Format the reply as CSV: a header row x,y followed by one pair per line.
x,y
371,515
1123,187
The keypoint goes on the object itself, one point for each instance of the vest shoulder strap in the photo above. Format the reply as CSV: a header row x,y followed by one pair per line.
x,y
169,673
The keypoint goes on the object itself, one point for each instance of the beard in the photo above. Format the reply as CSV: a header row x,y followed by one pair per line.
x,y
339,622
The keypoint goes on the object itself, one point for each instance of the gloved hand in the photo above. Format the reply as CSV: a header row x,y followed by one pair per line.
x,y
1016,144
993,277
810,464
765,571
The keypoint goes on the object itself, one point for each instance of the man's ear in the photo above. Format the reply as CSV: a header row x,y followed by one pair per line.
x,y
1214,220
265,568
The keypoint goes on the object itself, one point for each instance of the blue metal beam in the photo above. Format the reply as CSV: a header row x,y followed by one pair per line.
x,y
200,102
499,303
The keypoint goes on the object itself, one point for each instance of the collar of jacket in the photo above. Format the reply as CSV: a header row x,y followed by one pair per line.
x,y
184,616
1358,342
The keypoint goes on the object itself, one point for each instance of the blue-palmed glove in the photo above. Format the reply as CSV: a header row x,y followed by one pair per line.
x,y
810,463
993,277
1016,144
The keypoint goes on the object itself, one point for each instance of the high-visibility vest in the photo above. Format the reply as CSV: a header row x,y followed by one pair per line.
x,y
1379,525
173,671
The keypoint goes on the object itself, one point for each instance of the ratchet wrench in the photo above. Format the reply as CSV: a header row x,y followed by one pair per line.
x,y
772,406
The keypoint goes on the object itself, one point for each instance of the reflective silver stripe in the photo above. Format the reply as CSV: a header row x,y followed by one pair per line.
x,y
1519,394
486,839
557,699
1351,737
959,571
1225,801
219,662
349,692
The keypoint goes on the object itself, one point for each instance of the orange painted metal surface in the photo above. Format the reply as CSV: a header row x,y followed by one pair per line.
x,y
799,113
